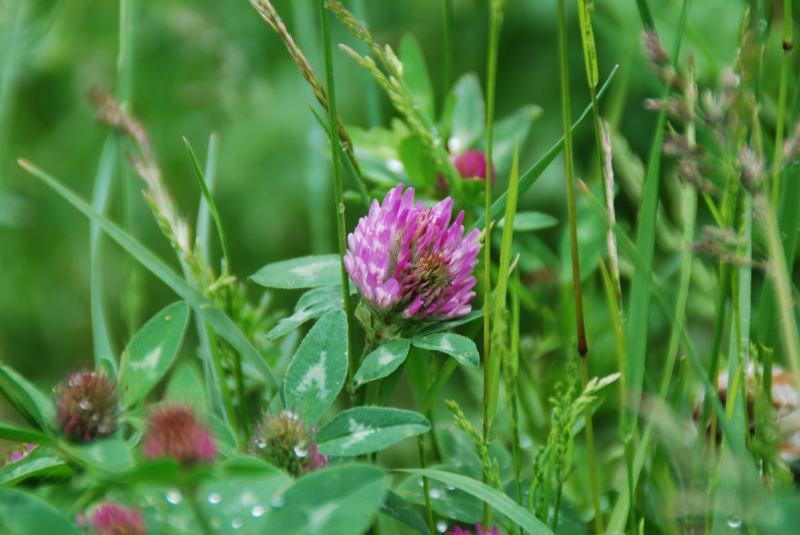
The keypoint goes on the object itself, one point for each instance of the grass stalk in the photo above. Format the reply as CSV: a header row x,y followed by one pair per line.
x,y
449,55
423,463
777,161
225,392
495,21
372,101
570,176
333,128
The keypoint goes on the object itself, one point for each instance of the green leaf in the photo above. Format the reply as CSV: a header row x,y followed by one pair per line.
x,y
226,441
368,429
459,347
150,352
445,325
202,305
240,504
305,272
336,501
34,406
532,175
529,221
245,466
23,514
496,499
399,509
198,173
415,73
313,304
185,387
40,463
111,455
163,472
469,114
15,434
447,502
382,361
417,161
317,372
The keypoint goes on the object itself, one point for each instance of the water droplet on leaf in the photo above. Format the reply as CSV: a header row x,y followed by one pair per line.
x,y
257,511
214,498
735,521
236,523
174,497
277,501
441,526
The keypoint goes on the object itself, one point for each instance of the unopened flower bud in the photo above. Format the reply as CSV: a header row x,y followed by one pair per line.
x,y
87,406
286,441
174,432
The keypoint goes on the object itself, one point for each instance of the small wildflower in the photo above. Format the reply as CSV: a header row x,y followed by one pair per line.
x,y
479,531
410,263
174,432
113,519
17,454
285,441
471,165
87,406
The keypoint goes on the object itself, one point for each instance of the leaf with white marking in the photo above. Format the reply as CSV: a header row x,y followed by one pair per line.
x,y
305,272
336,501
151,352
368,429
318,369
383,361
459,347
313,304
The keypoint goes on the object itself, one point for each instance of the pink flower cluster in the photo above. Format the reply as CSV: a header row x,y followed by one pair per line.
x,y
113,519
174,432
408,260
478,527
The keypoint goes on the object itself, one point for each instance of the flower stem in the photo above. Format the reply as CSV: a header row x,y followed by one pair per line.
x,y
496,18
598,510
423,463
777,162
223,383
333,128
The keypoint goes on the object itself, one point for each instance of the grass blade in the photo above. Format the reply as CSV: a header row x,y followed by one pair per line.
x,y
203,212
208,198
532,175
203,306
103,350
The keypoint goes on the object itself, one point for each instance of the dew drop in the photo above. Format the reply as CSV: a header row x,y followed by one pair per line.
x,y
214,498
450,487
420,483
454,144
174,497
525,441
236,523
85,404
436,493
277,501
441,526
395,166
257,511
300,450
735,521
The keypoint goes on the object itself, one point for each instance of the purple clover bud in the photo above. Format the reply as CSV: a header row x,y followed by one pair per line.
x,y
410,263
87,406
113,519
19,453
174,432
471,165
480,531
285,441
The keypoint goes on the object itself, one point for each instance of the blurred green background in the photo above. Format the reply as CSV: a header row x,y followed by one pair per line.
x,y
213,65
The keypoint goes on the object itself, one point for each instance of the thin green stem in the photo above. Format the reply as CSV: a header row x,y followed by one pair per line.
x,y
449,59
372,101
333,128
570,175
598,510
423,463
495,20
777,162
631,485
241,395
225,392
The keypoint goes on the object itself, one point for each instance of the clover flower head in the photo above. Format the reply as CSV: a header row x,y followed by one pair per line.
x,y
19,453
284,440
410,262
113,519
480,531
471,165
87,405
174,432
